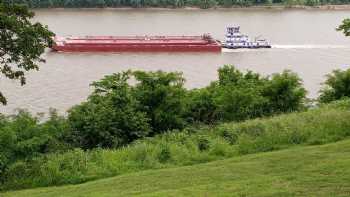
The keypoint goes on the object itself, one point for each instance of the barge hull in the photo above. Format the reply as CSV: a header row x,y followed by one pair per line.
x,y
137,48
137,44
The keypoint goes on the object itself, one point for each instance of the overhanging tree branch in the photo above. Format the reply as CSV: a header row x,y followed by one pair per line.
x,y
21,42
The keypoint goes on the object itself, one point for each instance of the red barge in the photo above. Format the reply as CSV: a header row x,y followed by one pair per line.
x,y
204,43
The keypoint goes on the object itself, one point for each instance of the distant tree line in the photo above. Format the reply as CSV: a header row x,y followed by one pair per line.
x,y
167,3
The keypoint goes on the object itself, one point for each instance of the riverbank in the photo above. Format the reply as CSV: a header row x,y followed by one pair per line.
x,y
253,7
192,146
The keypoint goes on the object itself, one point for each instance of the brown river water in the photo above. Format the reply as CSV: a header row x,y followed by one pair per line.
x,y
304,41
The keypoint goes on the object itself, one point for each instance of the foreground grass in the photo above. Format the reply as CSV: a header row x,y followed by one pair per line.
x,y
321,170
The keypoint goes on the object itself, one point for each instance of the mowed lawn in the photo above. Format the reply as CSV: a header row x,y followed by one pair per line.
x,y
303,171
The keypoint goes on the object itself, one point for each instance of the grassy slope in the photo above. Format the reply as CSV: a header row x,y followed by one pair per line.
x,y
302,171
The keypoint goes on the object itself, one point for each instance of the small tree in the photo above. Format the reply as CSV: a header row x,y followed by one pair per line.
x,y
284,92
162,96
21,42
238,95
117,113
337,86
201,106
110,117
345,27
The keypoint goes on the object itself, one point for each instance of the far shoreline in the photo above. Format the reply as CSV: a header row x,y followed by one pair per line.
x,y
254,7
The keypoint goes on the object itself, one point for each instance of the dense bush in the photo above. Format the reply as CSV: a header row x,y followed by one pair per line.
x,y
22,137
337,86
201,106
118,113
326,124
110,117
238,96
161,96
284,93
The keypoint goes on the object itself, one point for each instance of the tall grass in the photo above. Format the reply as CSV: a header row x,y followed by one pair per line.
x,y
325,124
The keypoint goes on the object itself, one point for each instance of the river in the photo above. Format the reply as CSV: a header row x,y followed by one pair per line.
x,y
304,41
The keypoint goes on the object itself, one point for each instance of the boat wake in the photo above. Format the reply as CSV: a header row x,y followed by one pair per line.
x,y
310,46
225,50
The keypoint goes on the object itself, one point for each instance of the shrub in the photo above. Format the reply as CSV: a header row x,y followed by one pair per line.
x,y
237,96
234,96
337,86
164,153
118,113
285,93
201,106
221,148
203,143
23,137
110,117
239,102
225,133
161,96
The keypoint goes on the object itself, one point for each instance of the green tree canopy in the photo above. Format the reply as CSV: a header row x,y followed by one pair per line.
x,y
345,27
337,86
285,92
21,42
110,117
161,96
237,96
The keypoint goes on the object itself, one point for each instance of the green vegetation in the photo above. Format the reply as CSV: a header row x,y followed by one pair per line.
x,y
162,97
237,96
118,113
154,122
169,3
109,118
21,42
345,27
303,171
191,146
337,86
23,137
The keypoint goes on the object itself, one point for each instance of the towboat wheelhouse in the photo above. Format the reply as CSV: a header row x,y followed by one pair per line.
x,y
234,40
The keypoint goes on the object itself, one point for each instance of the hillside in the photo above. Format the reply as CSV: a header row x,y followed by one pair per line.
x,y
301,171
